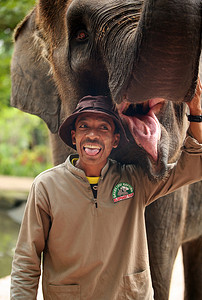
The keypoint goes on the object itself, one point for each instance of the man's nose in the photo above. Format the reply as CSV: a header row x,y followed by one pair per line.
x,y
93,134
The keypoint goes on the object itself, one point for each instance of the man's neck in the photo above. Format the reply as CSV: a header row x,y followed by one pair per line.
x,y
90,170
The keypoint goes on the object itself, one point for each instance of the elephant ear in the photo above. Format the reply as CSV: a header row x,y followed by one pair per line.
x,y
33,88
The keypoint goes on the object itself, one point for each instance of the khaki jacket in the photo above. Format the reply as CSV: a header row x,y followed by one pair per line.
x,y
89,252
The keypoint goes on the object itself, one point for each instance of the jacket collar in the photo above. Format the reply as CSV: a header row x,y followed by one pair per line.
x,y
80,173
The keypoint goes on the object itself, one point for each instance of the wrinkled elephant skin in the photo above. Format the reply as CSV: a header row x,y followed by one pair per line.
x,y
145,55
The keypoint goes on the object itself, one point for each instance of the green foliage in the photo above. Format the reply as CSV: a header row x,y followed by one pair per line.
x,y
24,149
5,84
11,13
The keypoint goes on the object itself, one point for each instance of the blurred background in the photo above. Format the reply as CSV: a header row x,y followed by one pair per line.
x,y
24,144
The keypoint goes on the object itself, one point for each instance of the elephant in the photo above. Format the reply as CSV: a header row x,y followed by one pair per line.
x,y
145,55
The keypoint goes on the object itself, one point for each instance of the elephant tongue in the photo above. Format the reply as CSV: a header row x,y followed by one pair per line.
x,y
146,131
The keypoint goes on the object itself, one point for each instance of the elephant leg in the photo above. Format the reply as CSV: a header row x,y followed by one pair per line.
x,y
161,273
59,150
162,253
165,226
192,259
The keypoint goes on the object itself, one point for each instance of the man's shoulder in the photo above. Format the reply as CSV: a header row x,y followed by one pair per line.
x,y
120,167
53,172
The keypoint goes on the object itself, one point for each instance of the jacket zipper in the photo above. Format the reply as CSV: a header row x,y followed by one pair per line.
x,y
95,194
95,202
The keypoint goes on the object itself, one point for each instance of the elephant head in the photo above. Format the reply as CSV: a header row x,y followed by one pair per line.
x,y
144,54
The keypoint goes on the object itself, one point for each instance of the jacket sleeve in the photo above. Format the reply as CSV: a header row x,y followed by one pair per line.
x,y
187,170
26,267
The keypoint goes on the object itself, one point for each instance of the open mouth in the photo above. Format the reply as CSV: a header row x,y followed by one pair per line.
x,y
143,123
92,150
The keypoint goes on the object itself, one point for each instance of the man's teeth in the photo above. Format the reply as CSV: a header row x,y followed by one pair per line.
x,y
92,146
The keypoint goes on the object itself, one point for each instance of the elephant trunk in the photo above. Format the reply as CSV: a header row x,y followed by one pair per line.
x,y
159,54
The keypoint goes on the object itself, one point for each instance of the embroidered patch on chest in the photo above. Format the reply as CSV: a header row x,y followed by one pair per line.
x,y
122,191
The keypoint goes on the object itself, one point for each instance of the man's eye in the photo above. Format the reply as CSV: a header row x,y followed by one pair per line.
x,y
103,127
83,126
82,35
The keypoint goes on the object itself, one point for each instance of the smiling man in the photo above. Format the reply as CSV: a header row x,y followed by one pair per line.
x,y
94,139
87,215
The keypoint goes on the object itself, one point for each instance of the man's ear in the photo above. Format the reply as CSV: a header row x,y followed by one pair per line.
x,y
116,140
73,134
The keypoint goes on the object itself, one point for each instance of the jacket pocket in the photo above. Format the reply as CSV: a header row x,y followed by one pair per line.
x,y
64,292
138,286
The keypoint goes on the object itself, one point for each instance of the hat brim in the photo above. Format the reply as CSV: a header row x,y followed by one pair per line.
x,y
68,125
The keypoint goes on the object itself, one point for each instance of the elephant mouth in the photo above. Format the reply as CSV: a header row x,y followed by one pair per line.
x,y
143,123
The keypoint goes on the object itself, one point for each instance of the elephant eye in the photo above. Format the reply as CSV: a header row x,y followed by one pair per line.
x,y
82,35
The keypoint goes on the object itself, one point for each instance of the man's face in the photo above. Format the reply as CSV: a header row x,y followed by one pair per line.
x,y
94,138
